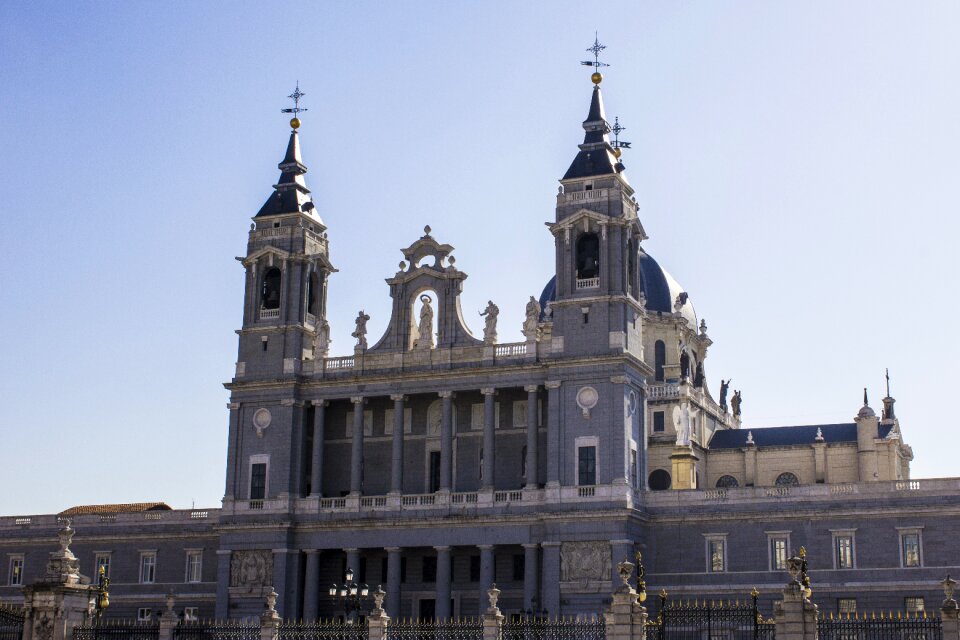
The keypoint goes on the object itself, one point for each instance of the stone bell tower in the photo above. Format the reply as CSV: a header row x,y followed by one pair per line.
x,y
597,236
287,270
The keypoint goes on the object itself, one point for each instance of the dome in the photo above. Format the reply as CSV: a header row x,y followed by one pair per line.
x,y
658,286
866,412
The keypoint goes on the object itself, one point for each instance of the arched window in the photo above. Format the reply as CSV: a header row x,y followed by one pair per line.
x,y
727,482
659,359
588,256
313,294
270,295
631,268
659,480
787,479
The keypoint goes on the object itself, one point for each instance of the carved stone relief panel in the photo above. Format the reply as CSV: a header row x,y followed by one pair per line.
x,y
251,568
585,561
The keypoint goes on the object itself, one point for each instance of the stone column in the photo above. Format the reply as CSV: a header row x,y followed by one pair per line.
x,y
489,453
551,578
280,566
311,585
486,573
949,609
168,620
394,556
625,617
532,419
319,429
222,609
492,618
531,575
378,620
446,446
270,618
553,433
443,583
356,453
396,460
233,450
353,562
796,616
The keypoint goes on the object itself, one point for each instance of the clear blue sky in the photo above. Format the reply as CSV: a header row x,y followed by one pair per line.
x,y
796,163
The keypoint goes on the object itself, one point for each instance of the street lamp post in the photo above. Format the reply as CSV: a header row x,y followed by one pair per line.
x,y
103,595
351,596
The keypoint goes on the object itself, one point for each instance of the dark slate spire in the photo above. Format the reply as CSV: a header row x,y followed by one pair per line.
x,y
290,193
596,157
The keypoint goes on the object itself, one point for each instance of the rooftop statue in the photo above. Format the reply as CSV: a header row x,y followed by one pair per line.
x,y
490,323
321,339
735,403
360,333
531,328
425,328
724,387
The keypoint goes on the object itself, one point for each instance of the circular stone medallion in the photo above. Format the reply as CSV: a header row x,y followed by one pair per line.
x,y
261,420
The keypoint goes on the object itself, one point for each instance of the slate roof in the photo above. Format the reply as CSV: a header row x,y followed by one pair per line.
x,y
131,507
596,155
788,436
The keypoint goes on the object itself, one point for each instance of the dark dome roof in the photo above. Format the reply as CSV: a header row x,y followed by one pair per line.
x,y
658,285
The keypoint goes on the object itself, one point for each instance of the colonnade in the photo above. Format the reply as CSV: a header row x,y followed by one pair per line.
x,y
446,441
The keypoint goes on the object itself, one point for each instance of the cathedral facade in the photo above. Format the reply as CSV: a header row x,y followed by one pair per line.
x,y
436,462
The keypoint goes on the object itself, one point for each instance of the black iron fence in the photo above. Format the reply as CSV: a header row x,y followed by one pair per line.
x,y
915,626
108,629
533,628
322,630
11,623
216,630
462,629
697,620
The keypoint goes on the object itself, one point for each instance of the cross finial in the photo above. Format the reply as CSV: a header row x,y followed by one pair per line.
x,y
616,129
888,383
595,49
296,96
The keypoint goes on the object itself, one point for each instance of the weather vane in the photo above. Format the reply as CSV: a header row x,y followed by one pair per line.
x,y
616,129
595,50
296,109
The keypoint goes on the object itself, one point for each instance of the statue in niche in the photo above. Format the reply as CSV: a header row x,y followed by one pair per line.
x,y
684,363
321,340
698,377
724,387
360,333
531,324
425,328
490,323
735,402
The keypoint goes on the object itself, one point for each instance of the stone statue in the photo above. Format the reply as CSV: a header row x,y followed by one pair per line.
x,y
360,333
684,364
642,300
321,339
698,377
490,323
724,387
531,328
251,568
425,328
683,417
735,402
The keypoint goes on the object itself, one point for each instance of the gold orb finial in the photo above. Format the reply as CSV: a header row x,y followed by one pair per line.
x,y
617,152
596,77
295,123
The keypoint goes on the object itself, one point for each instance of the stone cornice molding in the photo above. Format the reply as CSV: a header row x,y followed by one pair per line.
x,y
531,388
488,391
553,384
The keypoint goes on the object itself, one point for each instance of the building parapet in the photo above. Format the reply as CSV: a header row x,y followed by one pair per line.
x,y
50,520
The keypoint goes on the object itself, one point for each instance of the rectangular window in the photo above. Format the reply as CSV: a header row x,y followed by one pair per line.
x,y
586,466
778,553
148,567
102,560
658,424
429,569
846,605
384,563
914,604
434,471
717,552
16,571
844,547
362,571
191,614
143,614
258,481
634,469
519,566
474,568
910,549
194,566
403,569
